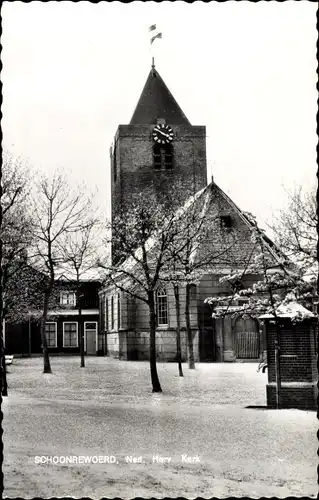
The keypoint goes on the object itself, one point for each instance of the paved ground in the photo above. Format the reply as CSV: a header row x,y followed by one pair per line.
x,y
108,410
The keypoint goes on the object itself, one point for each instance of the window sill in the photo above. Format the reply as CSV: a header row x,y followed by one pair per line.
x,y
70,346
163,327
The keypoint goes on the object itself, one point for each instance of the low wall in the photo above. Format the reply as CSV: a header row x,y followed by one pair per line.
x,y
300,395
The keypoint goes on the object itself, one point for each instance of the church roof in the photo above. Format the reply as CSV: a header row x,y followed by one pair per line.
x,y
156,101
206,197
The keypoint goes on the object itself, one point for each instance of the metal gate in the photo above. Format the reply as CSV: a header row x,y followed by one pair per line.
x,y
247,339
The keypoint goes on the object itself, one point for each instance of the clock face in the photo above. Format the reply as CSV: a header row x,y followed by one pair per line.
x,y
163,134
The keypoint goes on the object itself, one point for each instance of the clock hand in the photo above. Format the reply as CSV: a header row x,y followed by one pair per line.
x,y
163,133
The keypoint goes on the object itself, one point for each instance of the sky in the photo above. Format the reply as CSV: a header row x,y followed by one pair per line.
x,y
72,72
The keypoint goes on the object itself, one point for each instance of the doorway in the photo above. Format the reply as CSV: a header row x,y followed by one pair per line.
x,y
207,345
90,337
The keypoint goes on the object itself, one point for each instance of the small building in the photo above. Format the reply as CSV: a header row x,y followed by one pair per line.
x,y
63,324
298,343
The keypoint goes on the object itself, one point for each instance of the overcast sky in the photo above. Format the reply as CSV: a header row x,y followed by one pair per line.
x,y
72,72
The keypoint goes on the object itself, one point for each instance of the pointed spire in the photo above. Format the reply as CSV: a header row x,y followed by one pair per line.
x,y
156,101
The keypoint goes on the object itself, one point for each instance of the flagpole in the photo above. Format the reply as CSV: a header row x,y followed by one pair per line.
x,y
158,35
152,28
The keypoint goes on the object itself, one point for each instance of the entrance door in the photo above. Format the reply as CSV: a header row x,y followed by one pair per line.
x,y
90,332
207,335
207,345
247,339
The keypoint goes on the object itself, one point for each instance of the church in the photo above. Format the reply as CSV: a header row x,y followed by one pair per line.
x,y
160,147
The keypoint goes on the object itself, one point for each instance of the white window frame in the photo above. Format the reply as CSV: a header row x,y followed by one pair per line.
x,y
96,334
56,333
77,335
157,305
67,292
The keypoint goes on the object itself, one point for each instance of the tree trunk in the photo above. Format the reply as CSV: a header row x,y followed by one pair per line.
x,y
191,362
178,330
4,385
154,377
29,338
81,333
46,359
277,346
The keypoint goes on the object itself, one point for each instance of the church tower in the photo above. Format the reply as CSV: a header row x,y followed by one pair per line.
x,y
158,147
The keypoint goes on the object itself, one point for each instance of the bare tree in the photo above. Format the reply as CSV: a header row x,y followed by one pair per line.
x,y
276,285
58,211
79,253
202,244
15,240
295,232
143,237
178,329
16,223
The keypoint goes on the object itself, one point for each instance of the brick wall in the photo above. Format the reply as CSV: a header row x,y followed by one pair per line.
x,y
232,248
134,162
301,396
296,354
297,364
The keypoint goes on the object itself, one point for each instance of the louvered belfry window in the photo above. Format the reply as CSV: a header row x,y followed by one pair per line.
x,y
163,156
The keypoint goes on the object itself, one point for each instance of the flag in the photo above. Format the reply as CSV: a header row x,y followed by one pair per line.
x,y
152,28
159,35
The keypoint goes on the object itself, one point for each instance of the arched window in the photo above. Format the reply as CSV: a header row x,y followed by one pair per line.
x,y
161,307
163,156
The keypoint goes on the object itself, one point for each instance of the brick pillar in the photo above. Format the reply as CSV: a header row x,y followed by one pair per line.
x,y
298,360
